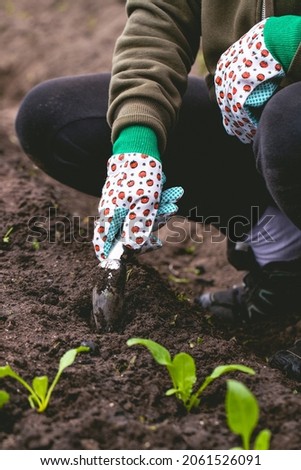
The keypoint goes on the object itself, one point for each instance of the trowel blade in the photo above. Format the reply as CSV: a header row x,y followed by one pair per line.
x,y
108,296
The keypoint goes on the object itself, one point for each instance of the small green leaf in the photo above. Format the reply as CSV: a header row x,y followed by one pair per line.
x,y
159,353
183,374
6,238
242,411
4,398
6,371
171,391
220,370
40,386
262,441
69,357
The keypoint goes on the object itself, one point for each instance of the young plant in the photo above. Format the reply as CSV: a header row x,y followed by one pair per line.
x,y
242,411
4,398
182,371
6,238
40,391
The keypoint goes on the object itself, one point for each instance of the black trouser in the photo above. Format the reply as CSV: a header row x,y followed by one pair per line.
x,y
62,126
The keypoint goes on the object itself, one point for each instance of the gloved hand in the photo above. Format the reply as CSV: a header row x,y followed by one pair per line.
x,y
288,361
132,204
250,71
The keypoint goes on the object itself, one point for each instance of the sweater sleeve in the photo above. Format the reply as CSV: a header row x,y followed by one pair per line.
x,y
151,62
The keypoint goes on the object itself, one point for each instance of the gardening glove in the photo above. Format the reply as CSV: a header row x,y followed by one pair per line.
x,y
133,204
288,361
251,70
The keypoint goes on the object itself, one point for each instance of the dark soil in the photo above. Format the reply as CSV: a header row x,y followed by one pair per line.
x,y
113,398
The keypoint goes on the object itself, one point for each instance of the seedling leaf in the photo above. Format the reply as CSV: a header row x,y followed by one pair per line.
x,y
242,411
217,372
69,357
6,371
159,353
183,375
220,370
262,441
4,398
40,386
6,238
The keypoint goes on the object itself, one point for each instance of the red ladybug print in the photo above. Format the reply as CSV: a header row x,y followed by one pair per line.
x,y
135,229
140,191
121,157
148,223
218,81
144,199
247,88
146,212
264,64
152,163
113,167
96,247
121,195
260,77
142,174
150,182
134,164
130,183
100,229
139,240
246,75
132,206
132,215
106,211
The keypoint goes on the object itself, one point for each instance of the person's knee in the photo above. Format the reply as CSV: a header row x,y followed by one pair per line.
x,y
36,118
278,140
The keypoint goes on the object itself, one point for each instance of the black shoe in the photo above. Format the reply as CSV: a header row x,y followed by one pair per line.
x,y
288,361
265,293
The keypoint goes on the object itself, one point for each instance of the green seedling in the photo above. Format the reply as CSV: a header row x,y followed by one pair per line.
x,y
4,398
6,238
182,371
242,411
35,244
40,391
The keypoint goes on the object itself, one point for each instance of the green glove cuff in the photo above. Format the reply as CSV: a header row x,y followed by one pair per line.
x,y
282,36
139,139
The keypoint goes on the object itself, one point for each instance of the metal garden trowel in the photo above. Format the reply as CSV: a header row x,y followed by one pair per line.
x,y
108,293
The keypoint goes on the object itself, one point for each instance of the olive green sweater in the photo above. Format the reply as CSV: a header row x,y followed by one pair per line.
x,y
159,44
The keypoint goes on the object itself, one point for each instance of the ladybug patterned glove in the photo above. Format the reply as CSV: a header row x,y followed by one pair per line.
x,y
249,72
132,204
